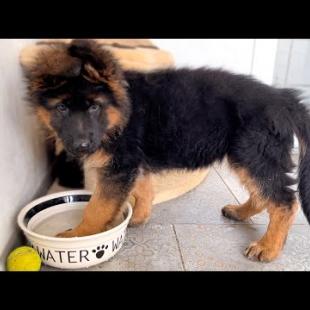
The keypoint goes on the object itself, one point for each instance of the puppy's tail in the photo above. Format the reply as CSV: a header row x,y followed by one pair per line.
x,y
300,120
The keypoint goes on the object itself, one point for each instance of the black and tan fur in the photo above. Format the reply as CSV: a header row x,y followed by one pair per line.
x,y
123,125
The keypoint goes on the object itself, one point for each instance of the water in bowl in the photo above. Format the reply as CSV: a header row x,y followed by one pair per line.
x,y
60,218
53,223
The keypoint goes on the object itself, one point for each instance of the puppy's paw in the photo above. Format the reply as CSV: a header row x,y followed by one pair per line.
x,y
262,252
231,212
139,218
65,234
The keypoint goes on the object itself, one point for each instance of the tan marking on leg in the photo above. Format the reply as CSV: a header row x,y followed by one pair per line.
x,y
281,218
90,178
144,195
101,211
97,215
104,204
270,245
91,164
254,205
244,211
247,180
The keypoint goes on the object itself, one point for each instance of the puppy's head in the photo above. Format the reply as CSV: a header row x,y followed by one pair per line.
x,y
78,92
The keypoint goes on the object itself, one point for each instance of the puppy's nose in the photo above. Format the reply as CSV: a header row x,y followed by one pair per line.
x,y
82,145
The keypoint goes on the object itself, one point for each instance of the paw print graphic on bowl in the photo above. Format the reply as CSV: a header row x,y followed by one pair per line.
x,y
100,250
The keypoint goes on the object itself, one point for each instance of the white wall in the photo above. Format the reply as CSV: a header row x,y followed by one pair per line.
x,y
22,156
293,65
273,61
248,56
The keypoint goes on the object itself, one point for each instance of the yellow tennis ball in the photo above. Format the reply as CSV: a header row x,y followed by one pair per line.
x,y
23,258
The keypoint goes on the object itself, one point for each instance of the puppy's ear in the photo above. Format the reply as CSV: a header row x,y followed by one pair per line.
x,y
48,65
29,54
99,65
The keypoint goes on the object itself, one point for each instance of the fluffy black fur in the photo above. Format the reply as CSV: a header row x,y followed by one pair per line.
x,y
184,118
190,118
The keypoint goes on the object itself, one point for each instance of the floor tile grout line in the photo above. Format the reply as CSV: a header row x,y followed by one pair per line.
x,y
179,247
230,190
195,223
221,224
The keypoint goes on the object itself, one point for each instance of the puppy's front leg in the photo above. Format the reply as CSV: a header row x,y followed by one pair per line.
x,y
144,195
106,202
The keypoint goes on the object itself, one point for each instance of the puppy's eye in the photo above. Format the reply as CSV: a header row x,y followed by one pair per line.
x,y
62,108
94,108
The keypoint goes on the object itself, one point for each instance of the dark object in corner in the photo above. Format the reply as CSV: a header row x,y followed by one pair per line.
x,y
68,171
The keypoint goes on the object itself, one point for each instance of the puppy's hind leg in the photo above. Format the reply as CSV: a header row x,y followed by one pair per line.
x,y
270,245
245,211
270,192
253,206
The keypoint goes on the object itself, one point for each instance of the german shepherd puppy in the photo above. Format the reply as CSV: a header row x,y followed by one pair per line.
x,y
124,125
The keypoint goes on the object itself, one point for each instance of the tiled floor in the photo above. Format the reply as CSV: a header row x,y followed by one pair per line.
x,y
189,233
